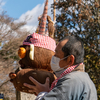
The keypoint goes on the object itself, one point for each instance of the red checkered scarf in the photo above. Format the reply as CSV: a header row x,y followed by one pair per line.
x,y
67,71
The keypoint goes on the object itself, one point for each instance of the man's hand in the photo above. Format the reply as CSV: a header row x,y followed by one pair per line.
x,y
38,86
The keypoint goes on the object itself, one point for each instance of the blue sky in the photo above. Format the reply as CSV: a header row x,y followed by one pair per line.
x,y
15,8
26,10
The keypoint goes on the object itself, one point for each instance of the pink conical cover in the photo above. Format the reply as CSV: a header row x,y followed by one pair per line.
x,y
43,19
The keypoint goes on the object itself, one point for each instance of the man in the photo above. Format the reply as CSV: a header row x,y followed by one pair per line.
x,y
72,82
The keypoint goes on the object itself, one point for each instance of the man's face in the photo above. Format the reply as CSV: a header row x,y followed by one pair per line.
x,y
60,54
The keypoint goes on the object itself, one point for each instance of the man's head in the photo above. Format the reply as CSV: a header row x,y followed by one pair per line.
x,y
73,48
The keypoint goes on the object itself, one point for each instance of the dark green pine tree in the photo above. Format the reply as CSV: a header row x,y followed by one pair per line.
x,y
81,18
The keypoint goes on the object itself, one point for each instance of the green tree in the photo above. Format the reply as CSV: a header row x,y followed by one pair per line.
x,y
81,18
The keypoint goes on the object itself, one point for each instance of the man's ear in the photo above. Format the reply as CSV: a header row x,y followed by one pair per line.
x,y
72,60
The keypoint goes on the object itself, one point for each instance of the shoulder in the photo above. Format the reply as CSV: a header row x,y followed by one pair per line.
x,y
77,81
75,76
74,79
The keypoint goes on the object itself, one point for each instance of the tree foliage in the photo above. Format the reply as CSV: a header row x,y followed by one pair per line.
x,y
11,37
82,18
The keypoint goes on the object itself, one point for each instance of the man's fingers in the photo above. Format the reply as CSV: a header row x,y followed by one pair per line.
x,y
34,81
38,86
47,81
29,86
32,91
